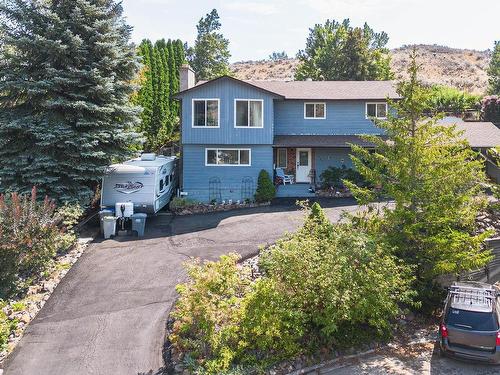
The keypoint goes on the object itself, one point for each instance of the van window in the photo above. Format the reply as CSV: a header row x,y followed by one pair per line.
x,y
166,180
473,320
161,184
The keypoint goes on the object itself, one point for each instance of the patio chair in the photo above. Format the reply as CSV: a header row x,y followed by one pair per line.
x,y
285,178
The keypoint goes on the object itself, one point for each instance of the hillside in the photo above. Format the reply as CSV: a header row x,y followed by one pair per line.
x,y
460,68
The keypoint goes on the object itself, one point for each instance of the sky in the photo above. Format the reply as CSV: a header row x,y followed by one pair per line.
x,y
256,28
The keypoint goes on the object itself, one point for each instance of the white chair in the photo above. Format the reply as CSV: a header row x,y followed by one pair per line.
x,y
286,178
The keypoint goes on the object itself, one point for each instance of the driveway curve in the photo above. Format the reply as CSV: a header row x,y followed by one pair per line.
x,y
108,314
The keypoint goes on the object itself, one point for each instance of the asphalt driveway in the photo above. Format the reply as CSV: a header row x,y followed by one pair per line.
x,y
108,315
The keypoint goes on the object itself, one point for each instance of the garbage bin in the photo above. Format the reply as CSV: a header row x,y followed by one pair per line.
x,y
109,226
139,223
102,214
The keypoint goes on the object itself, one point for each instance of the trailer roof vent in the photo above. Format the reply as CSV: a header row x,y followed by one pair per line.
x,y
148,157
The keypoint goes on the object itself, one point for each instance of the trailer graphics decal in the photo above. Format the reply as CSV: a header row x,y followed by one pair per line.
x,y
128,187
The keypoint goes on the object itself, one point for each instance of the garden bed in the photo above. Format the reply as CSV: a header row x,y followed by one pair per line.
x,y
191,208
23,308
408,326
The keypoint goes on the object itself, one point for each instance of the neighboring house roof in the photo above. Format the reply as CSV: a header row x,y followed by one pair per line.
x,y
319,141
318,90
478,134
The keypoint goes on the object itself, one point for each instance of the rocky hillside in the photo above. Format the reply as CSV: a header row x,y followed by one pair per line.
x,y
460,68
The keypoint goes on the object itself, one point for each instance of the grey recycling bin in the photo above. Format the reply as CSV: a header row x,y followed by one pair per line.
x,y
109,226
139,223
102,214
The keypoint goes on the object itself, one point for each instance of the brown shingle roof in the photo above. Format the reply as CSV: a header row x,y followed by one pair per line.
x,y
478,134
319,141
330,90
320,90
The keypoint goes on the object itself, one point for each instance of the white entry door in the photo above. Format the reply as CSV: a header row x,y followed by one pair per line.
x,y
303,165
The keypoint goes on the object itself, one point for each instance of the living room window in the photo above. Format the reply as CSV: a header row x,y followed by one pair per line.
x,y
227,157
248,113
281,158
376,110
315,111
205,113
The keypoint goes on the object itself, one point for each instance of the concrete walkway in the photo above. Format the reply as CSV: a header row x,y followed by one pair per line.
x,y
108,315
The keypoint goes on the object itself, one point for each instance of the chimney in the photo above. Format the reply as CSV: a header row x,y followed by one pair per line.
x,y
187,77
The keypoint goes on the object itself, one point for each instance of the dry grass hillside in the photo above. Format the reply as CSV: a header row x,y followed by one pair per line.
x,y
460,68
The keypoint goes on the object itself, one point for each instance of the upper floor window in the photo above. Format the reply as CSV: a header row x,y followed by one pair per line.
x,y
248,113
206,113
376,110
227,157
314,110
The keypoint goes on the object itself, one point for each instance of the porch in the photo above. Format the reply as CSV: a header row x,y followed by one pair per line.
x,y
294,191
305,157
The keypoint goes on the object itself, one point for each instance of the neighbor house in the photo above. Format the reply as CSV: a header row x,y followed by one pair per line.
x,y
232,129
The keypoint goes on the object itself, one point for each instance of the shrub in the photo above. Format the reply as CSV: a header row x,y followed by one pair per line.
x,y
208,312
5,327
343,282
265,188
178,203
29,237
450,100
334,177
326,284
490,109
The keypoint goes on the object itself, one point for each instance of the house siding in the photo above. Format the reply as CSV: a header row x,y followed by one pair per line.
x,y
227,91
196,174
342,118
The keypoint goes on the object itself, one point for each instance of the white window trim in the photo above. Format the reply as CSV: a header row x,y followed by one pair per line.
x,y
286,157
229,149
376,110
206,112
314,118
248,120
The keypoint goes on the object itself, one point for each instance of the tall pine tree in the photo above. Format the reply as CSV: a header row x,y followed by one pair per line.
x,y
66,68
210,55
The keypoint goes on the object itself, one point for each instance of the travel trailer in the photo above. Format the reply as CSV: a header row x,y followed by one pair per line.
x,y
149,182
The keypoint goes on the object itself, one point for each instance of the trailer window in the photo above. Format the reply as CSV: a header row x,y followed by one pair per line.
x,y
161,184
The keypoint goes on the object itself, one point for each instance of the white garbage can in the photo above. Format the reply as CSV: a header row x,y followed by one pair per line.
x,y
102,214
109,226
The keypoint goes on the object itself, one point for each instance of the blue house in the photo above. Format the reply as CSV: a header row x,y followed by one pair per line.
x,y
232,129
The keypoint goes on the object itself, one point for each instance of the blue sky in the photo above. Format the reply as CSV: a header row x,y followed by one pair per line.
x,y
258,27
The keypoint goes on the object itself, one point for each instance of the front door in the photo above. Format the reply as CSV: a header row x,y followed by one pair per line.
x,y
303,165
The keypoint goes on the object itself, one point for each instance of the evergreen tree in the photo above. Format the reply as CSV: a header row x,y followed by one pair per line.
x,y
494,71
160,117
66,68
210,55
434,178
338,51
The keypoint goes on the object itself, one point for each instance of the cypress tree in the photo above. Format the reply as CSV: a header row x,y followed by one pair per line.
x,y
66,68
160,118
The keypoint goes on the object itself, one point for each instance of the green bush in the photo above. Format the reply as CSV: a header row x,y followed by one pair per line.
x,y
29,237
325,285
334,177
178,203
451,100
265,187
5,327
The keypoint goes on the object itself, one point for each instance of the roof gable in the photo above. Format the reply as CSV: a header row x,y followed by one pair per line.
x,y
235,80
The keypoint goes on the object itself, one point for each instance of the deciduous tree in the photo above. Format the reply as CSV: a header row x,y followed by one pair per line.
x,y
338,51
